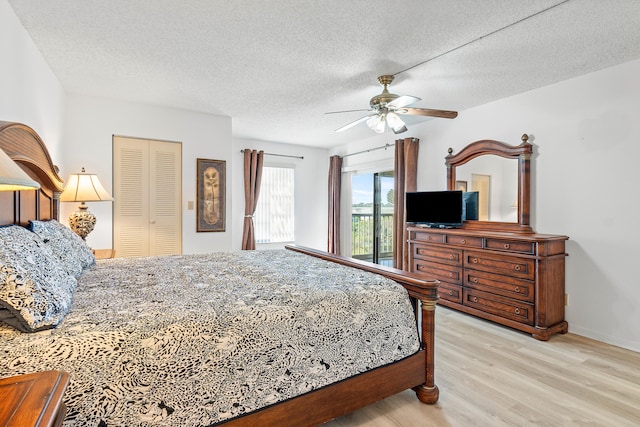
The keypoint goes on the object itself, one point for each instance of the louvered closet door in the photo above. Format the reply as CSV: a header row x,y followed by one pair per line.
x,y
147,197
165,178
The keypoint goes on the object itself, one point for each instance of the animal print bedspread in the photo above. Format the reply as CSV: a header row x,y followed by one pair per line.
x,y
198,339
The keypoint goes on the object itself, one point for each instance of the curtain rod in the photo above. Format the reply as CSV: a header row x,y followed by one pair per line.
x,y
385,146
280,155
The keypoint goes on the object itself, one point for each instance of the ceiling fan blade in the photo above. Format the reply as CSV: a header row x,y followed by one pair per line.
x,y
348,111
352,124
445,114
402,101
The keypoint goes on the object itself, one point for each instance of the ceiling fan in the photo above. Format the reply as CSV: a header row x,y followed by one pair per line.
x,y
386,109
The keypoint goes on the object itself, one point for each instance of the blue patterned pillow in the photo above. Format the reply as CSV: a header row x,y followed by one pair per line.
x,y
35,291
73,252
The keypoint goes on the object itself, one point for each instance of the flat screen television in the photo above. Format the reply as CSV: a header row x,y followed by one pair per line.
x,y
443,209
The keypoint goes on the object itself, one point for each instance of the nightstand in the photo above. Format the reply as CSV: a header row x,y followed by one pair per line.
x,y
33,399
104,253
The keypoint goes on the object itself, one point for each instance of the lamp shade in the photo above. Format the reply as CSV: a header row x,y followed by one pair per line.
x,y
12,177
376,123
395,122
84,187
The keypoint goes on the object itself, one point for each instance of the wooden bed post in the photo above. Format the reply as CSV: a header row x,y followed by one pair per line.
x,y
428,392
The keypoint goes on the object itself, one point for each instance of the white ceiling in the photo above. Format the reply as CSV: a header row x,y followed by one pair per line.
x,y
276,67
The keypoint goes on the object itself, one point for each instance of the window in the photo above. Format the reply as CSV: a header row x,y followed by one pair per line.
x,y
274,216
372,217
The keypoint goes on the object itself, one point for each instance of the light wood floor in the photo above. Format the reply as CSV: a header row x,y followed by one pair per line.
x,y
493,376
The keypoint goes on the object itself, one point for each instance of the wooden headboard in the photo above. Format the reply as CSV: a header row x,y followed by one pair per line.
x,y
25,147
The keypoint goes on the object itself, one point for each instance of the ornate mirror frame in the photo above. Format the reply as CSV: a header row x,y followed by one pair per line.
x,y
522,153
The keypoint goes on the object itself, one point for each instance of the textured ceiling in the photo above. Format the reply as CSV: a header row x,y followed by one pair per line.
x,y
276,67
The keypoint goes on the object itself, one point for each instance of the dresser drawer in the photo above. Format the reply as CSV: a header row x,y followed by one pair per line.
x,y
450,292
425,236
498,284
469,241
511,246
500,306
438,254
442,272
501,264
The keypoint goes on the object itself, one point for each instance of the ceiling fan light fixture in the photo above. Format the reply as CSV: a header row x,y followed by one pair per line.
x,y
395,122
402,129
376,123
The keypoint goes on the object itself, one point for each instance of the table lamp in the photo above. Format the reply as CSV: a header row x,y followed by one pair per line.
x,y
12,177
83,187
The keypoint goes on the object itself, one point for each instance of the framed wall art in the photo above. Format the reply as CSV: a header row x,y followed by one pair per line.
x,y
210,201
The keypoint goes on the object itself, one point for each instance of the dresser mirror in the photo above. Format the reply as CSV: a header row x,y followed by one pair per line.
x,y
501,175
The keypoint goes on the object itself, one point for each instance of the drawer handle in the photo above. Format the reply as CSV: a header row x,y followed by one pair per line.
x,y
474,260
474,280
517,289
475,299
450,274
450,292
463,241
517,268
450,256
517,311
506,246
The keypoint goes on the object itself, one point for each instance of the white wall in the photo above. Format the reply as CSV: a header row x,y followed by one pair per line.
x,y
90,123
31,93
77,131
311,189
584,184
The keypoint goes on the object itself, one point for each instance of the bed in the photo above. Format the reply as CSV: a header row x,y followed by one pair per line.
x,y
290,337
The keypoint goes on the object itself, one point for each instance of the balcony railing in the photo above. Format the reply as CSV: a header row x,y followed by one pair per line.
x,y
362,237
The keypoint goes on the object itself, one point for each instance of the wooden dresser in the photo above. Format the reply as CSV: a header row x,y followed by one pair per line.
x,y
513,279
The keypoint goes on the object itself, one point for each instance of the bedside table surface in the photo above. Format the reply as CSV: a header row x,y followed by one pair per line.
x,y
33,399
104,253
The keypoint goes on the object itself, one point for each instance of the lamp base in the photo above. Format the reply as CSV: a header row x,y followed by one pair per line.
x,y
82,221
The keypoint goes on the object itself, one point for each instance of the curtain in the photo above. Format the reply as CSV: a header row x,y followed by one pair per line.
x,y
405,179
252,175
335,173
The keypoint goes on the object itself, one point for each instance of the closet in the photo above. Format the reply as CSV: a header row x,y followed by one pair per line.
x,y
147,185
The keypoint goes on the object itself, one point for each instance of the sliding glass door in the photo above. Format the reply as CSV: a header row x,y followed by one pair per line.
x,y
372,217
